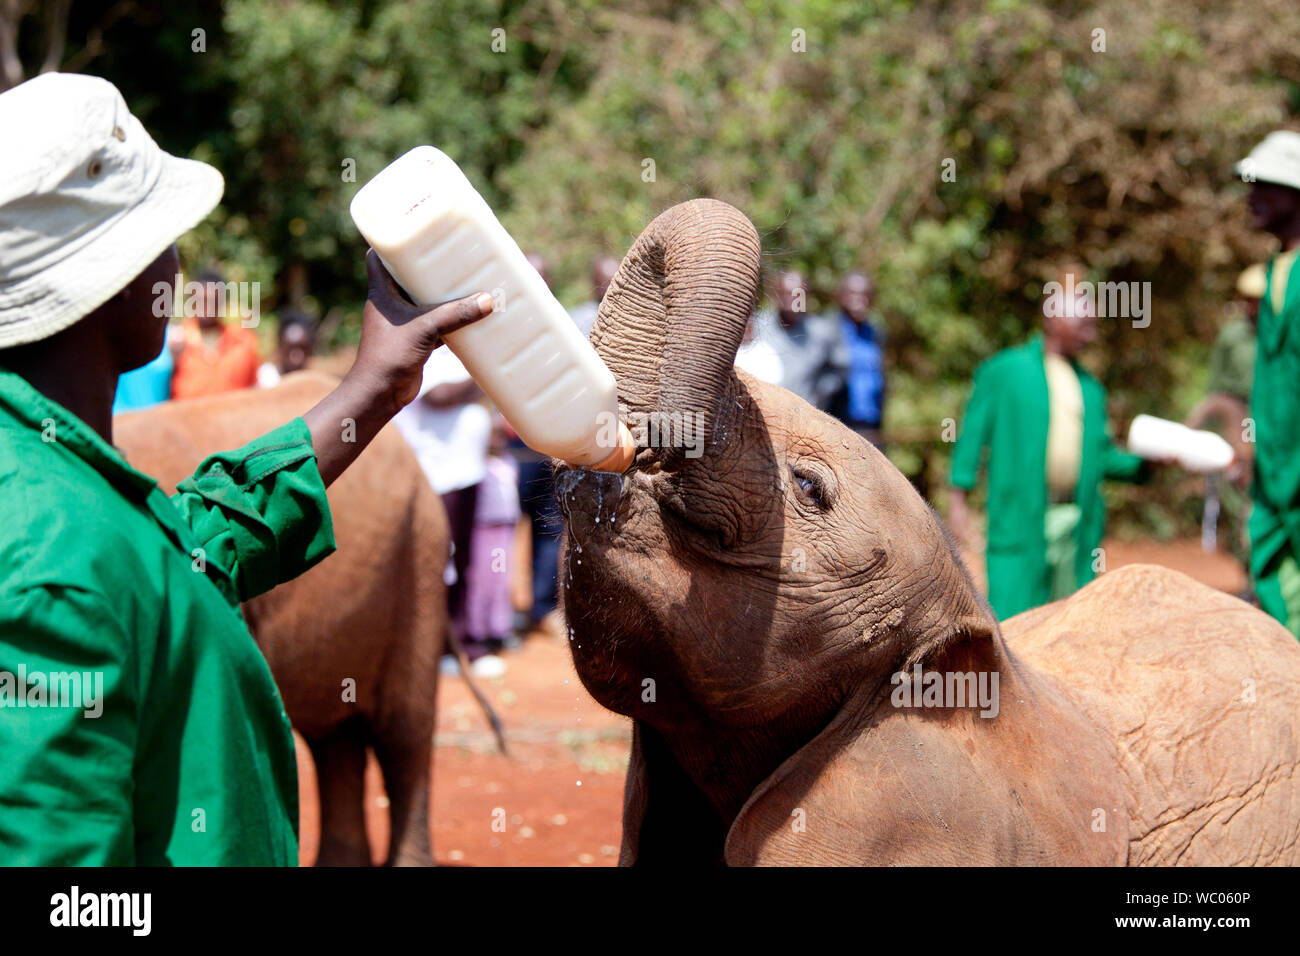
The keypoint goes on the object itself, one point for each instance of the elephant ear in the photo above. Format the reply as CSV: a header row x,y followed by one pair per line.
x,y
667,821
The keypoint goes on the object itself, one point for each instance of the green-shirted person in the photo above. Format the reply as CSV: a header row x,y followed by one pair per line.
x,y
1041,419
139,723
1273,170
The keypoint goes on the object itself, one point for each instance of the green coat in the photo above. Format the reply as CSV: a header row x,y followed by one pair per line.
x,y
1275,408
1007,416
186,757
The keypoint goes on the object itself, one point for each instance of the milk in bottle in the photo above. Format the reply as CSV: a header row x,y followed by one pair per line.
x,y
440,240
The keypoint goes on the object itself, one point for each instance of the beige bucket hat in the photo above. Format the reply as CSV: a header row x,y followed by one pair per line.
x,y
1275,160
87,201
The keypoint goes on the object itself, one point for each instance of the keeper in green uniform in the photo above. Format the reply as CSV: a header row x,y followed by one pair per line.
x,y
139,723
1039,419
1273,169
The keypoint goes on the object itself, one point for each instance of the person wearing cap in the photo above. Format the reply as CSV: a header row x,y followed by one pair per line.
x,y
139,723
1039,419
1273,171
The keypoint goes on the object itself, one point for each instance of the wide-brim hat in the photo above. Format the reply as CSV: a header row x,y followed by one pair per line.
x,y
1275,160
87,201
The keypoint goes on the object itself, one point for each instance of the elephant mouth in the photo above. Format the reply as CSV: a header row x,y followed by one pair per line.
x,y
594,502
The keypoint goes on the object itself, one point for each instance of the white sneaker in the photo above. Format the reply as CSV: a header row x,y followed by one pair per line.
x,y
489,665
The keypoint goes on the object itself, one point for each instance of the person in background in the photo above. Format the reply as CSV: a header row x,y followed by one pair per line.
x,y
220,355
859,401
295,342
602,274
150,384
805,345
1225,408
1042,420
537,498
538,262
489,615
757,356
1273,169
448,428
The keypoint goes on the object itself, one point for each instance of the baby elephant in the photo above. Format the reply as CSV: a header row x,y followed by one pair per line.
x,y
813,678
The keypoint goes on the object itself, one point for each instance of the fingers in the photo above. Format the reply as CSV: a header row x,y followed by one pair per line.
x,y
459,313
392,302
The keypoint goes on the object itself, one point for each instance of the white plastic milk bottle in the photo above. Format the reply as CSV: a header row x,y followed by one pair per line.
x,y
1195,450
440,240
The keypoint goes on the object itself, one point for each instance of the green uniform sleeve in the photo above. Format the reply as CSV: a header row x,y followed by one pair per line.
x,y
260,512
1120,465
976,432
67,747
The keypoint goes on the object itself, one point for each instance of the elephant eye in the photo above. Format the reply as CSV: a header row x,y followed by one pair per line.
x,y
811,486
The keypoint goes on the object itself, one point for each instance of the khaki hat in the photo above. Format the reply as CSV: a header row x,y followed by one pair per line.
x,y
87,202
1275,160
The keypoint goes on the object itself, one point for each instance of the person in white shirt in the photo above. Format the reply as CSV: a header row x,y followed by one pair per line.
x,y
787,340
448,428
757,357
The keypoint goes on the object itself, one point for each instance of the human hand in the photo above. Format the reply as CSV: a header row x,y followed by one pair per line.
x,y
397,336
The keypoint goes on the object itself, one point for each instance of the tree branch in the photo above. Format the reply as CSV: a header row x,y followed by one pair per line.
x,y
95,37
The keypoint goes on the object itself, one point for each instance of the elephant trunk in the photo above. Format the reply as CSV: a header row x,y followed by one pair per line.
x,y
674,316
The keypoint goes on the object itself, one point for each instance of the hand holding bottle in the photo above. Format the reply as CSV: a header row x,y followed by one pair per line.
x,y
397,338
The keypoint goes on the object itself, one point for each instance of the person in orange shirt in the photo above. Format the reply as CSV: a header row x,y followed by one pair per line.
x,y
219,355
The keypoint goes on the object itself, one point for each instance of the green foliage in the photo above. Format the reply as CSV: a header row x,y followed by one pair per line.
x,y
329,93
1120,159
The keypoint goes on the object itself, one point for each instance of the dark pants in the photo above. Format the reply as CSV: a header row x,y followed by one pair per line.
x,y
460,516
537,498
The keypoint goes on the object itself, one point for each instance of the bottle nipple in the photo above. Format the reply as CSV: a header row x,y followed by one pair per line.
x,y
620,459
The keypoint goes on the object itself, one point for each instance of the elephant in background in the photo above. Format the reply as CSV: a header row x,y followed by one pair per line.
x,y
757,608
373,613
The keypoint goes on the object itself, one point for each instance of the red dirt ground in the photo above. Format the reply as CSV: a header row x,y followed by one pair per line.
x,y
561,789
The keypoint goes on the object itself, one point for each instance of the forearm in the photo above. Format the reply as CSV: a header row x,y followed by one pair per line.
x,y
451,395
345,421
1227,410
260,512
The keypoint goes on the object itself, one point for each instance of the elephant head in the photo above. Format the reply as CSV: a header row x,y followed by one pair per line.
x,y
757,571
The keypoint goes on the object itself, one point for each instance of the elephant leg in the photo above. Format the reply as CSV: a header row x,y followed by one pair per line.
x,y
405,756
340,769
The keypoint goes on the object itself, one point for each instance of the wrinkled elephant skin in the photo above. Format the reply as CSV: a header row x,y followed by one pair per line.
x,y
757,611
